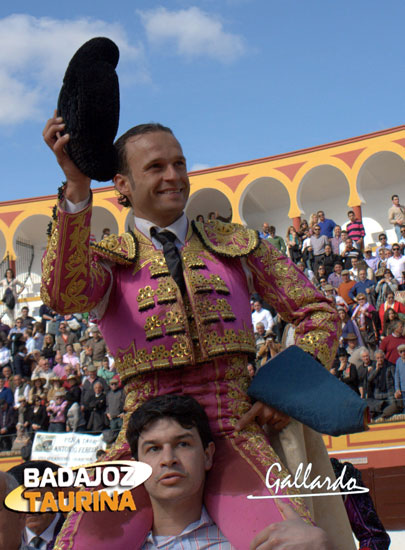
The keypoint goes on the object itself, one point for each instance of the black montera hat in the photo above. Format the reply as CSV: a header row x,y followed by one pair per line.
x,y
89,104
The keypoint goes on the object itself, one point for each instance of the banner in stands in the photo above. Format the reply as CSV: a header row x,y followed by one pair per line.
x,y
66,449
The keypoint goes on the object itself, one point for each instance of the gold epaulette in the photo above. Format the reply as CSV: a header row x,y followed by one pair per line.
x,y
120,249
227,239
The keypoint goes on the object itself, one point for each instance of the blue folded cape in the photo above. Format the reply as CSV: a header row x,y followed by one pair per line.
x,y
296,384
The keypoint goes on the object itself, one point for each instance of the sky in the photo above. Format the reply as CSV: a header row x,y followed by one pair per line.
x,y
235,79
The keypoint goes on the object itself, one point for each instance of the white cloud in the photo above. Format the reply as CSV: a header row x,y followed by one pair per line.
x,y
199,166
34,53
194,33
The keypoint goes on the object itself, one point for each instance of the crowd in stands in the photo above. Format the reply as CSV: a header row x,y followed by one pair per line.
x,y
368,289
58,375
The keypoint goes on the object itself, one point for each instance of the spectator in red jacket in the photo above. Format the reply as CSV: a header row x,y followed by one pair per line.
x,y
390,343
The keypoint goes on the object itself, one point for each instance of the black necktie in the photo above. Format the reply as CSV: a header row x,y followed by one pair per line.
x,y
36,542
172,256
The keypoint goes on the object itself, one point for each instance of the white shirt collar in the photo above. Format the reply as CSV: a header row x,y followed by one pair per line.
x,y
179,228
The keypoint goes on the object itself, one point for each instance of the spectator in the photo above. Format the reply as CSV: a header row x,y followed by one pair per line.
x,y
44,370
293,244
355,230
313,220
47,315
15,336
396,215
335,278
99,348
268,349
390,343
363,286
97,408
7,424
55,386
320,276
39,335
386,285
70,357
59,367
347,372
307,252
6,393
74,418
29,339
261,315
304,227
115,400
37,416
363,371
200,218
105,233
27,320
325,224
74,391
104,371
318,243
22,362
274,239
400,374
265,232
10,295
345,287
371,261
397,263
63,338
382,237
336,240
329,259
330,292
390,302
381,389
251,370
38,389
47,349
390,316
342,245
353,349
88,390
308,272
349,253
43,526
21,389
57,413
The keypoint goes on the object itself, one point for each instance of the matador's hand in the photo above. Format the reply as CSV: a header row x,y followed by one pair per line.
x,y
291,534
78,185
264,414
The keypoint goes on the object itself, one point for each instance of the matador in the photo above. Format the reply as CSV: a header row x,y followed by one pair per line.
x,y
196,341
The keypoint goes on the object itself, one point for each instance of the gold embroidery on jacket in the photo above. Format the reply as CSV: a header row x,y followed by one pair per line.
x,y
119,249
48,263
153,327
166,291
145,298
209,311
227,239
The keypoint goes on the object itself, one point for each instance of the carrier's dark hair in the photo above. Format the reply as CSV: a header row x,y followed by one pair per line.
x,y
182,408
120,145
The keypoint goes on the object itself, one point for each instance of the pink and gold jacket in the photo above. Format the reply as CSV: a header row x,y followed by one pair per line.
x,y
146,322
